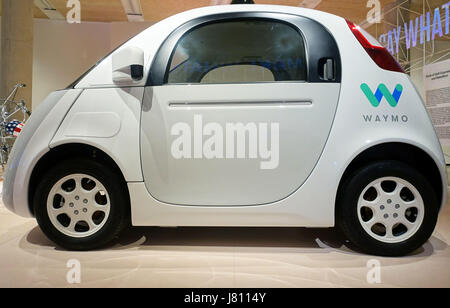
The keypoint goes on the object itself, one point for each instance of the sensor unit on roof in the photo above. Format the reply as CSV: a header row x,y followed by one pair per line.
x,y
242,2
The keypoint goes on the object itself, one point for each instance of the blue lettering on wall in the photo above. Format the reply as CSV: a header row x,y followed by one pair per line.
x,y
428,26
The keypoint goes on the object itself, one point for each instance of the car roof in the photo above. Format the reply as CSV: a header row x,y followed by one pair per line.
x,y
218,9
158,32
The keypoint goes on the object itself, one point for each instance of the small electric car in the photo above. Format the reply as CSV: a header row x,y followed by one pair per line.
x,y
237,115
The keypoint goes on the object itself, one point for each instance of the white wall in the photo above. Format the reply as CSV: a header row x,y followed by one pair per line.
x,y
62,51
123,31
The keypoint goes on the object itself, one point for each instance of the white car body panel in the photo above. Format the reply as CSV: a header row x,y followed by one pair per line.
x,y
313,204
109,118
115,130
303,111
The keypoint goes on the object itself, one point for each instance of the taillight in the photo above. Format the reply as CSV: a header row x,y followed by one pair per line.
x,y
378,53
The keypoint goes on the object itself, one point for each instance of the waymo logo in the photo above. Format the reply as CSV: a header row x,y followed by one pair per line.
x,y
232,141
382,91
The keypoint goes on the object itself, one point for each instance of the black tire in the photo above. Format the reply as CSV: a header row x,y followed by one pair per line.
x,y
119,203
347,212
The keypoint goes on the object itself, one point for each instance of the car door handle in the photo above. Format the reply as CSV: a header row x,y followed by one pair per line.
x,y
327,71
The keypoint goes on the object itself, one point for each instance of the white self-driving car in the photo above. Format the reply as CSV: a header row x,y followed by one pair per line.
x,y
238,115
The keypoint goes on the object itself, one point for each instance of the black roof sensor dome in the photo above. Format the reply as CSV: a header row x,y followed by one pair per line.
x,y
242,2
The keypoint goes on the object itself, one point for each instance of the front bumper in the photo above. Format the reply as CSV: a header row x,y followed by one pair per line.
x,y
32,143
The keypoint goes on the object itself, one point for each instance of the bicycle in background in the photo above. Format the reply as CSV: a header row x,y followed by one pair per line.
x,y
13,116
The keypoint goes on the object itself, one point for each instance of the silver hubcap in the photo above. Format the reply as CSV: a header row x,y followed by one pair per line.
x,y
78,205
390,210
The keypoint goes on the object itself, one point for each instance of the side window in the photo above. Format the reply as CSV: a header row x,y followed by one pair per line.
x,y
244,51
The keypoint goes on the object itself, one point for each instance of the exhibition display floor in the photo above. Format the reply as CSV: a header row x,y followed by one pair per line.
x,y
216,257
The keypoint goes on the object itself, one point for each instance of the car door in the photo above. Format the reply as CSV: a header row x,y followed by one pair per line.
x,y
238,109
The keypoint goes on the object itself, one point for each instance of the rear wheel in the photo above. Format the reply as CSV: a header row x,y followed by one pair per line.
x,y
81,204
387,208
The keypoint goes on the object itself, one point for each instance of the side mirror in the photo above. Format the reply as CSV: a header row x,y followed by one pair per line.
x,y
128,65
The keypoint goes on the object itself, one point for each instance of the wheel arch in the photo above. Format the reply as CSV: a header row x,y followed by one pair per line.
x,y
400,151
65,152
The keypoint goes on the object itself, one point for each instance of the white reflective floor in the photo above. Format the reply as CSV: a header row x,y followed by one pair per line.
x,y
215,257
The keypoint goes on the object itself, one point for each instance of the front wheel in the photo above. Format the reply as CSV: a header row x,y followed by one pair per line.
x,y
81,204
387,208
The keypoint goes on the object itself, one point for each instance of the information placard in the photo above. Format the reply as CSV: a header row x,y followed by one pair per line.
x,y
437,90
